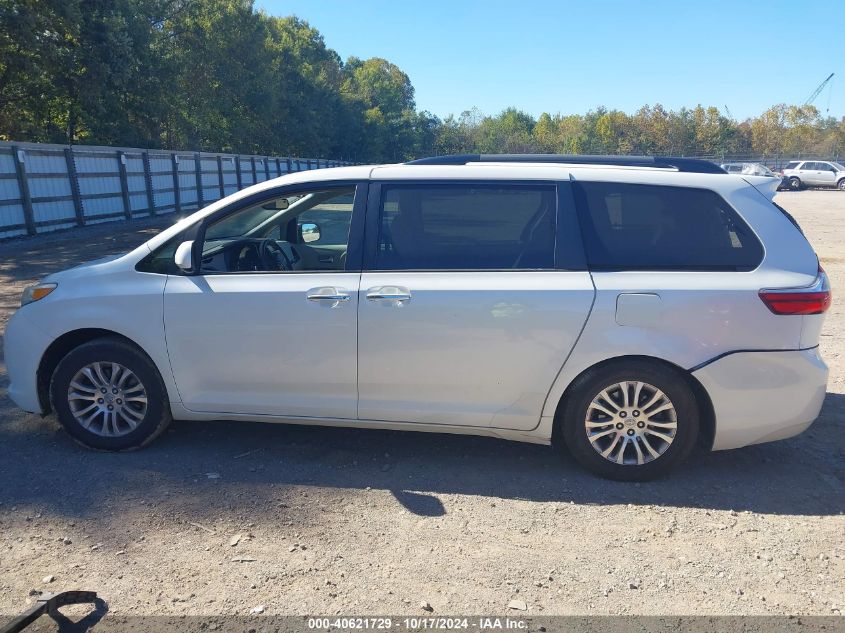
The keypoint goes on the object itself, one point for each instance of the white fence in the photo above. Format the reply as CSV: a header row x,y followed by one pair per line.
x,y
48,187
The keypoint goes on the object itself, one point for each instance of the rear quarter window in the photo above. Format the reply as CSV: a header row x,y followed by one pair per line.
x,y
649,227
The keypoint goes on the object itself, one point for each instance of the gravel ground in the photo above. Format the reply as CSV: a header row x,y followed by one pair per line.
x,y
221,518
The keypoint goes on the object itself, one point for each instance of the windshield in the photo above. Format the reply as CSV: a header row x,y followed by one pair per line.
x,y
838,166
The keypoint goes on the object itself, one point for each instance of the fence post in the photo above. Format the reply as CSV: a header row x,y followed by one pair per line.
x,y
287,160
198,174
278,166
238,172
124,185
308,163
148,183
74,187
254,173
220,176
266,168
177,198
26,198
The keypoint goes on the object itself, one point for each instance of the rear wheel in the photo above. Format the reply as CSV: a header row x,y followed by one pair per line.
x,y
841,185
630,421
108,395
795,183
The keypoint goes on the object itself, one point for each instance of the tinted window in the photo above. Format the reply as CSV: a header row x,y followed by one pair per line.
x,y
646,227
466,227
809,166
791,165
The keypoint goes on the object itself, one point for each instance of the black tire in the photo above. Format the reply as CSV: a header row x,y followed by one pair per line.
x,y
590,384
112,350
795,183
841,185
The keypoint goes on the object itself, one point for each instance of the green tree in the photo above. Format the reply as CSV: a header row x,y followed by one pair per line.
x,y
385,97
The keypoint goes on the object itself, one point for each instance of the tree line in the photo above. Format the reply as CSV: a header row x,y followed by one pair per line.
x,y
219,75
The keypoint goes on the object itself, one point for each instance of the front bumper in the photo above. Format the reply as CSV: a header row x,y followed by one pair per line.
x,y
24,345
764,396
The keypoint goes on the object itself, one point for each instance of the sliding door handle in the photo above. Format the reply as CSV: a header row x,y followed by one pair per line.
x,y
397,294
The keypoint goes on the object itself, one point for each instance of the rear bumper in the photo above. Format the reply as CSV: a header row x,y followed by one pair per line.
x,y
764,396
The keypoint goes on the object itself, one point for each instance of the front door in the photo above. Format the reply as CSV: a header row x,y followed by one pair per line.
x,y
265,328
466,316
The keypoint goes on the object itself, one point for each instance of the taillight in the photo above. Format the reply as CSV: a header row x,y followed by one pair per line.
x,y
813,299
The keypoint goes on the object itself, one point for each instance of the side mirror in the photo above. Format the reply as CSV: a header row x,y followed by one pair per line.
x,y
183,257
309,231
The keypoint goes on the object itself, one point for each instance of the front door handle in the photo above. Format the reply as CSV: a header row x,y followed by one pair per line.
x,y
327,294
396,294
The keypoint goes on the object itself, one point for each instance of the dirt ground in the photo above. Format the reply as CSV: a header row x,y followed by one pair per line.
x,y
223,518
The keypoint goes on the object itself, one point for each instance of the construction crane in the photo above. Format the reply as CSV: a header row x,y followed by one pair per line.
x,y
818,91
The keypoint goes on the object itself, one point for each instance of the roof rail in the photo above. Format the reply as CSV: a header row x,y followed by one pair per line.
x,y
691,165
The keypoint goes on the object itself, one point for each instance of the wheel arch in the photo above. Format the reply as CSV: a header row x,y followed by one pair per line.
x,y
61,347
707,421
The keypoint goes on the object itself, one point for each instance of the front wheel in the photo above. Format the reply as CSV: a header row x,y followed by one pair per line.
x,y
108,395
630,421
794,184
841,185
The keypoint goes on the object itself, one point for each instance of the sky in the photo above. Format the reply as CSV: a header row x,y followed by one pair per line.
x,y
570,57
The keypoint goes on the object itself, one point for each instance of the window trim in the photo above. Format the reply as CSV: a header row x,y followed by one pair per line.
x,y
353,252
583,213
568,254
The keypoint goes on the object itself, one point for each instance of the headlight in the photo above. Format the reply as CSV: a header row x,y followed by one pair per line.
x,y
36,292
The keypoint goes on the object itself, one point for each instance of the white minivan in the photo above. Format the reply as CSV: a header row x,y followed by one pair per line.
x,y
621,307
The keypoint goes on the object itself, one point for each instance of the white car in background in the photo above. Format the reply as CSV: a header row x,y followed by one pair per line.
x,y
749,169
814,173
776,182
623,308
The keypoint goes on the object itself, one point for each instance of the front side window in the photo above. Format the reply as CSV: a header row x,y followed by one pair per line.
x,y
305,231
648,227
466,227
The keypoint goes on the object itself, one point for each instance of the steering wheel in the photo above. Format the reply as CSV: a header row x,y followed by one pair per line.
x,y
273,257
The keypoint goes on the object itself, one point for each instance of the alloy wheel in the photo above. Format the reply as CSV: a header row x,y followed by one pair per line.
x,y
107,399
631,423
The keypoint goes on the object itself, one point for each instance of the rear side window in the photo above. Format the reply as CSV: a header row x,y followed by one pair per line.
x,y
648,227
466,227
792,165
